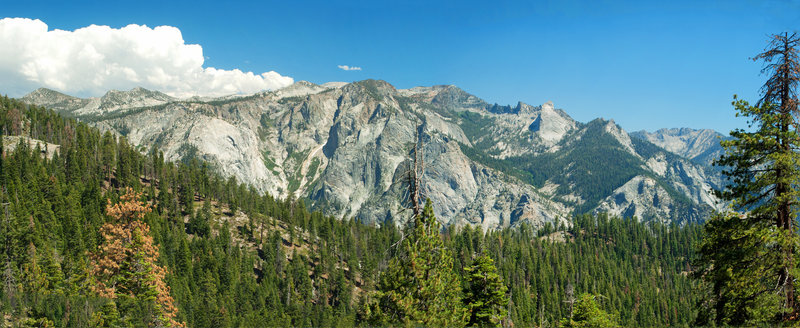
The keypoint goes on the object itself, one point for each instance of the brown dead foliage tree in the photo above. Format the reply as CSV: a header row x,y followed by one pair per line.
x,y
125,263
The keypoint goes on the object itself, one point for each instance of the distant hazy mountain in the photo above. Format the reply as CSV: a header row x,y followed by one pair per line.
x,y
345,147
111,102
701,146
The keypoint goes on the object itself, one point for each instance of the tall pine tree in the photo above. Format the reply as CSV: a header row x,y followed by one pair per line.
x,y
747,258
485,294
420,285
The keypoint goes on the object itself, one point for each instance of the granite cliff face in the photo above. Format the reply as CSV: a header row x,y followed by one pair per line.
x,y
346,148
701,146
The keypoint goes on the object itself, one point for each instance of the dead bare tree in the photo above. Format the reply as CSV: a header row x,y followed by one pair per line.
x,y
413,177
570,297
415,174
783,67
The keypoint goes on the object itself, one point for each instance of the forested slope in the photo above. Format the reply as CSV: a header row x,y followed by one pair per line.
x,y
234,257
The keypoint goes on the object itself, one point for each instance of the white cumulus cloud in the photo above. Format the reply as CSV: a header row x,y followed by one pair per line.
x,y
349,68
94,59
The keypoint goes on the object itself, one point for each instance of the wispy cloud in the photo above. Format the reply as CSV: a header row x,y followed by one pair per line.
x,y
94,59
349,68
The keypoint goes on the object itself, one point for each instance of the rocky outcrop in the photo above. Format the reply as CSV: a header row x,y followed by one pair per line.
x,y
641,197
10,144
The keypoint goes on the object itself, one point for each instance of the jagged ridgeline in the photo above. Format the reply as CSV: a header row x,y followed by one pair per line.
x,y
237,257
345,147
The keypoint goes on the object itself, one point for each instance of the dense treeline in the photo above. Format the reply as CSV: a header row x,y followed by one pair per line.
x,y
234,257
640,269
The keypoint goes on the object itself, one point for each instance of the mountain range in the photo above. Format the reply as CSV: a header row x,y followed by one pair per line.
x,y
346,149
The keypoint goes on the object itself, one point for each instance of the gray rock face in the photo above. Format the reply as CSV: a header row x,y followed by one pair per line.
x,y
346,148
551,125
640,197
701,146
46,149
659,197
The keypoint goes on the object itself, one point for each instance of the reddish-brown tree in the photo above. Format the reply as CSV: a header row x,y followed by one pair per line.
x,y
125,263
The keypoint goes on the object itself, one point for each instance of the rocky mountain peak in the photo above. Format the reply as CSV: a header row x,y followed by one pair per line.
x,y
136,97
44,96
298,89
523,108
380,85
334,85
137,93
615,130
53,99
375,89
551,124
453,98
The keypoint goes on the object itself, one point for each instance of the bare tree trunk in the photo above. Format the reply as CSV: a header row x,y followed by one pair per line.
x,y
415,173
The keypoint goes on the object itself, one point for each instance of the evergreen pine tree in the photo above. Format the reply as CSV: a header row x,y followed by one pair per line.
x,y
485,294
108,316
420,287
588,314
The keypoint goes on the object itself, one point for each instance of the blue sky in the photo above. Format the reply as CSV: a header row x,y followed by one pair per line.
x,y
646,64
